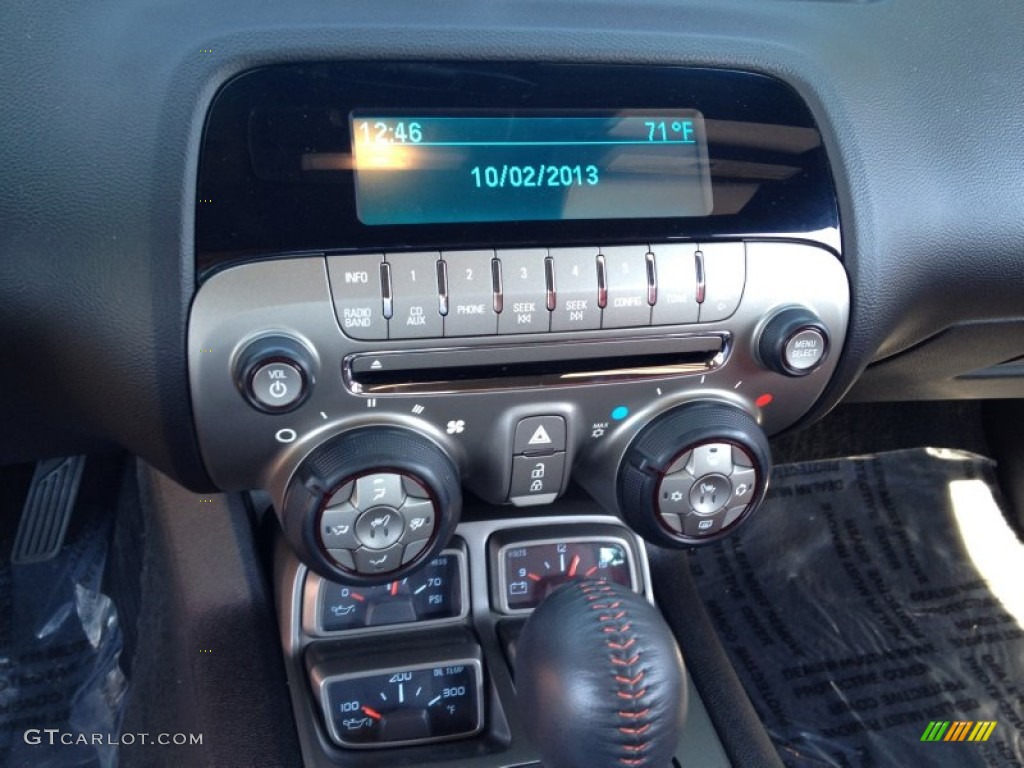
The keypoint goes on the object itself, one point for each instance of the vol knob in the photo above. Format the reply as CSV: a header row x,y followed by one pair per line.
x,y
370,505
794,342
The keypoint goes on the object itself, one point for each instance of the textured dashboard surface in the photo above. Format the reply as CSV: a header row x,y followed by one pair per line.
x,y
101,110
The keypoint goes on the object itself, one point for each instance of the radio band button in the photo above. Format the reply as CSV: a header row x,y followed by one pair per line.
x,y
358,295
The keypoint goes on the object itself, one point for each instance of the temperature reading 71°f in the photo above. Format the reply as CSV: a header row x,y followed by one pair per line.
x,y
670,130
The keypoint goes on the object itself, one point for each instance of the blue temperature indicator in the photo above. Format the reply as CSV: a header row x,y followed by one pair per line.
x,y
620,412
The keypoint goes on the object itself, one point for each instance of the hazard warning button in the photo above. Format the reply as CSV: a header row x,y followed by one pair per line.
x,y
539,435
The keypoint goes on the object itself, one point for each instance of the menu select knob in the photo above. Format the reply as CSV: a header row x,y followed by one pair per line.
x,y
693,474
794,342
370,505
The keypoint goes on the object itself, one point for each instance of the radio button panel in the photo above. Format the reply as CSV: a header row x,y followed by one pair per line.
x,y
537,290
467,394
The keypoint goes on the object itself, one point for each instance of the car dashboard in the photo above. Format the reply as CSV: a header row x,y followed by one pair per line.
x,y
453,292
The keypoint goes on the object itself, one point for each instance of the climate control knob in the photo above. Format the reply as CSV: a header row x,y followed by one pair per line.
x,y
794,342
370,505
693,474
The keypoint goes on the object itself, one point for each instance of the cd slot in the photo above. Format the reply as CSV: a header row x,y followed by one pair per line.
x,y
470,369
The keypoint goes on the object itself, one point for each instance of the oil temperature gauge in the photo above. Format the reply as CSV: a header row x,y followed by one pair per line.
x,y
426,702
530,570
431,595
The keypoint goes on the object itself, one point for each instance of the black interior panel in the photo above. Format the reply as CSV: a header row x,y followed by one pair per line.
x,y
102,117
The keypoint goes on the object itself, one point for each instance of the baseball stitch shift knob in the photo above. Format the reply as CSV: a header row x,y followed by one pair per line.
x,y
600,681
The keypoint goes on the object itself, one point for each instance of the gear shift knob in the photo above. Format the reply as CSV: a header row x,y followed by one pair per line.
x,y
599,680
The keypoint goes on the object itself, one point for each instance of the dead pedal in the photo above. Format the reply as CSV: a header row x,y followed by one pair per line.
x,y
47,511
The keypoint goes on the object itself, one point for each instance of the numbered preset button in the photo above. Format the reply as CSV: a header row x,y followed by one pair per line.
x,y
470,294
524,291
575,289
629,291
415,295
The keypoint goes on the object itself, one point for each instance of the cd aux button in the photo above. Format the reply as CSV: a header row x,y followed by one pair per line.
x,y
470,294
358,299
525,289
415,295
575,287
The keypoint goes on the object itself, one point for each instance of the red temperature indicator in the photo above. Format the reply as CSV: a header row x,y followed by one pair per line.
x,y
533,571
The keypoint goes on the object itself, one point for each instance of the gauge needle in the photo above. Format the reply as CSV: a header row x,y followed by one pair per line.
x,y
394,588
533,577
575,564
357,596
372,712
591,571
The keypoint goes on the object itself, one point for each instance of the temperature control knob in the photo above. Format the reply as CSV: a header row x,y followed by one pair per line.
x,y
794,342
694,474
370,505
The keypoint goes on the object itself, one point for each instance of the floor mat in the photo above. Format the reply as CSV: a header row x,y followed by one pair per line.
x,y
61,688
874,610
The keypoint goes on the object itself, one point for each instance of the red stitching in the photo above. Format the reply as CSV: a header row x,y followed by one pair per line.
x,y
635,715
614,621
636,731
621,646
626,662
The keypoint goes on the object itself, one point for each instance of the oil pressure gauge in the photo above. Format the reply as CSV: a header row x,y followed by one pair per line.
x,y
432,595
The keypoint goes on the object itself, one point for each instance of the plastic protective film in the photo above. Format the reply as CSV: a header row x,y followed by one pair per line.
x,y
59,648
874,611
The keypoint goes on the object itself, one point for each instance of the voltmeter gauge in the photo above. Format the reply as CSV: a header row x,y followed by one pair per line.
x,y
433,594
410,705
529,571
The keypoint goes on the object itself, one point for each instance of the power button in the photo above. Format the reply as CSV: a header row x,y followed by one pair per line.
x,y
277,386
275,374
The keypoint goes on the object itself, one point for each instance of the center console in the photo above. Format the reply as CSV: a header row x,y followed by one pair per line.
x,y
430,286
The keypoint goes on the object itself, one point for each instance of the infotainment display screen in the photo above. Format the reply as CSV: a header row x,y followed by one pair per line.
x,y
463,167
